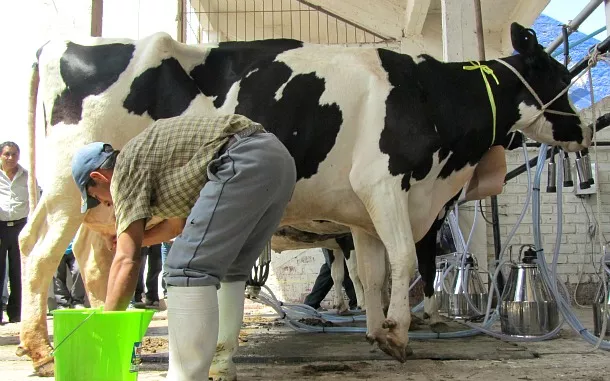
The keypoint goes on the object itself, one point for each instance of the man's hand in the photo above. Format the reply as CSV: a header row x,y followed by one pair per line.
x,y
125,267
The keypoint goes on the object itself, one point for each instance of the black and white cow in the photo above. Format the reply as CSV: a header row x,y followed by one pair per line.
x,y
381,140
338,237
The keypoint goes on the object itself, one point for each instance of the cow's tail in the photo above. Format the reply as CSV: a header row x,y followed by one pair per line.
x,y
33,101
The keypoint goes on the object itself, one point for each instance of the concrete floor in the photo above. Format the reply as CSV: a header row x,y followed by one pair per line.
x,y
271,351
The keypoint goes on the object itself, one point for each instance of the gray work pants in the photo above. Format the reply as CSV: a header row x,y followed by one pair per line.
x,y
237,212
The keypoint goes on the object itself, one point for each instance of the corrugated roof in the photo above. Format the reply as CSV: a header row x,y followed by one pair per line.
x,y
547,29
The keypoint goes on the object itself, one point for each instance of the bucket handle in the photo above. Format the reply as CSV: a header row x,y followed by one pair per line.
x,y
72,332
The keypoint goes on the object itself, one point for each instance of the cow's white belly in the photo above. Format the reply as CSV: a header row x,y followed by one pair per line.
x,y
317,198
427,197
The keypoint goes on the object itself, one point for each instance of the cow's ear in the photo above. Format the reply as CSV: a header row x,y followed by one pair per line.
x,y
524,39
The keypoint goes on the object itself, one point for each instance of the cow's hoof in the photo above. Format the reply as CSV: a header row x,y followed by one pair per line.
x,y
400,353
413,326
417,320
392,344
45,370
389,324
370,339
343,311
223,377
377,336
439,327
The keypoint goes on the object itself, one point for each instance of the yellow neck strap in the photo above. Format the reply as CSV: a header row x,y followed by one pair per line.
x,y
476,65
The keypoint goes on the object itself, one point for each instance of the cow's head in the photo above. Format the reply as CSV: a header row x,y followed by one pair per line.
x,y
559,124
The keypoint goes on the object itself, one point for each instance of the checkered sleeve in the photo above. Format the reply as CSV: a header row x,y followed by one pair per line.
x,y
132,199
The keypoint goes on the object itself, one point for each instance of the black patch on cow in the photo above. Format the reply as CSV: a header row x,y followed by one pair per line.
x,y
164,91
408,136
230,62
425,249
346,243
306,128
305,236
561,127
437,106
87,70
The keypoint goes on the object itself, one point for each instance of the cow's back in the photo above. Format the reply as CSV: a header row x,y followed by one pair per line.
x,y
322,102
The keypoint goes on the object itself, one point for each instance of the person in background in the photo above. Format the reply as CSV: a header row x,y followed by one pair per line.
x,y
165,247
14,209
5,290
75,296
150,298
324,283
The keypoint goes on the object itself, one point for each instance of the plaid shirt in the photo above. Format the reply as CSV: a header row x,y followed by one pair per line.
x,y
161,171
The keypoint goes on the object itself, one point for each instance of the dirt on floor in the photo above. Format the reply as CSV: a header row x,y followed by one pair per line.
x,y
152,345
270,351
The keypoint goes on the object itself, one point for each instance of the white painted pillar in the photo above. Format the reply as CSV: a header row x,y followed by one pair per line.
x,y
459,30
460,44
412,41
97,14
416,12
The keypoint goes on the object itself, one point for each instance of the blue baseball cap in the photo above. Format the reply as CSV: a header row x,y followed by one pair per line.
x,y
86,160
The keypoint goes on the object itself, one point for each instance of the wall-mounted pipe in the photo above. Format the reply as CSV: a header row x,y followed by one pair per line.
x,y
602,47
575,44
575,23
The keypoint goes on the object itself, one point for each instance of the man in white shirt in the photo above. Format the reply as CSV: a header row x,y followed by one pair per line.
x,y
14,208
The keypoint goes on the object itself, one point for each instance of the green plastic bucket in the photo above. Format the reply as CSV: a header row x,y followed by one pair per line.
x,y
96,345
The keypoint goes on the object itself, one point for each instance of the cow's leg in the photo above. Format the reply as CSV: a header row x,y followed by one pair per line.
x,y
94,259
43,241
337,272
387,285
389,211
370,254
352,268
426,259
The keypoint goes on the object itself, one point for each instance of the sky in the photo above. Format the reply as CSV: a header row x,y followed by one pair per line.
x,y
566,10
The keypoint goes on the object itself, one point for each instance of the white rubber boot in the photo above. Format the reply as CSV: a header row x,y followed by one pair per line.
x,y
192,314
231,313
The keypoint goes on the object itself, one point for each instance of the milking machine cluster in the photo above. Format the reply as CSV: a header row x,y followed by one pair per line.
x,y
533,304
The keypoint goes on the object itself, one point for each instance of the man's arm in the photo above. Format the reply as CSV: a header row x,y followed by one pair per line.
x,y
164,231
125,268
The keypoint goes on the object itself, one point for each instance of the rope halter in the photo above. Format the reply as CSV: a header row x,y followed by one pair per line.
x,y
543,107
